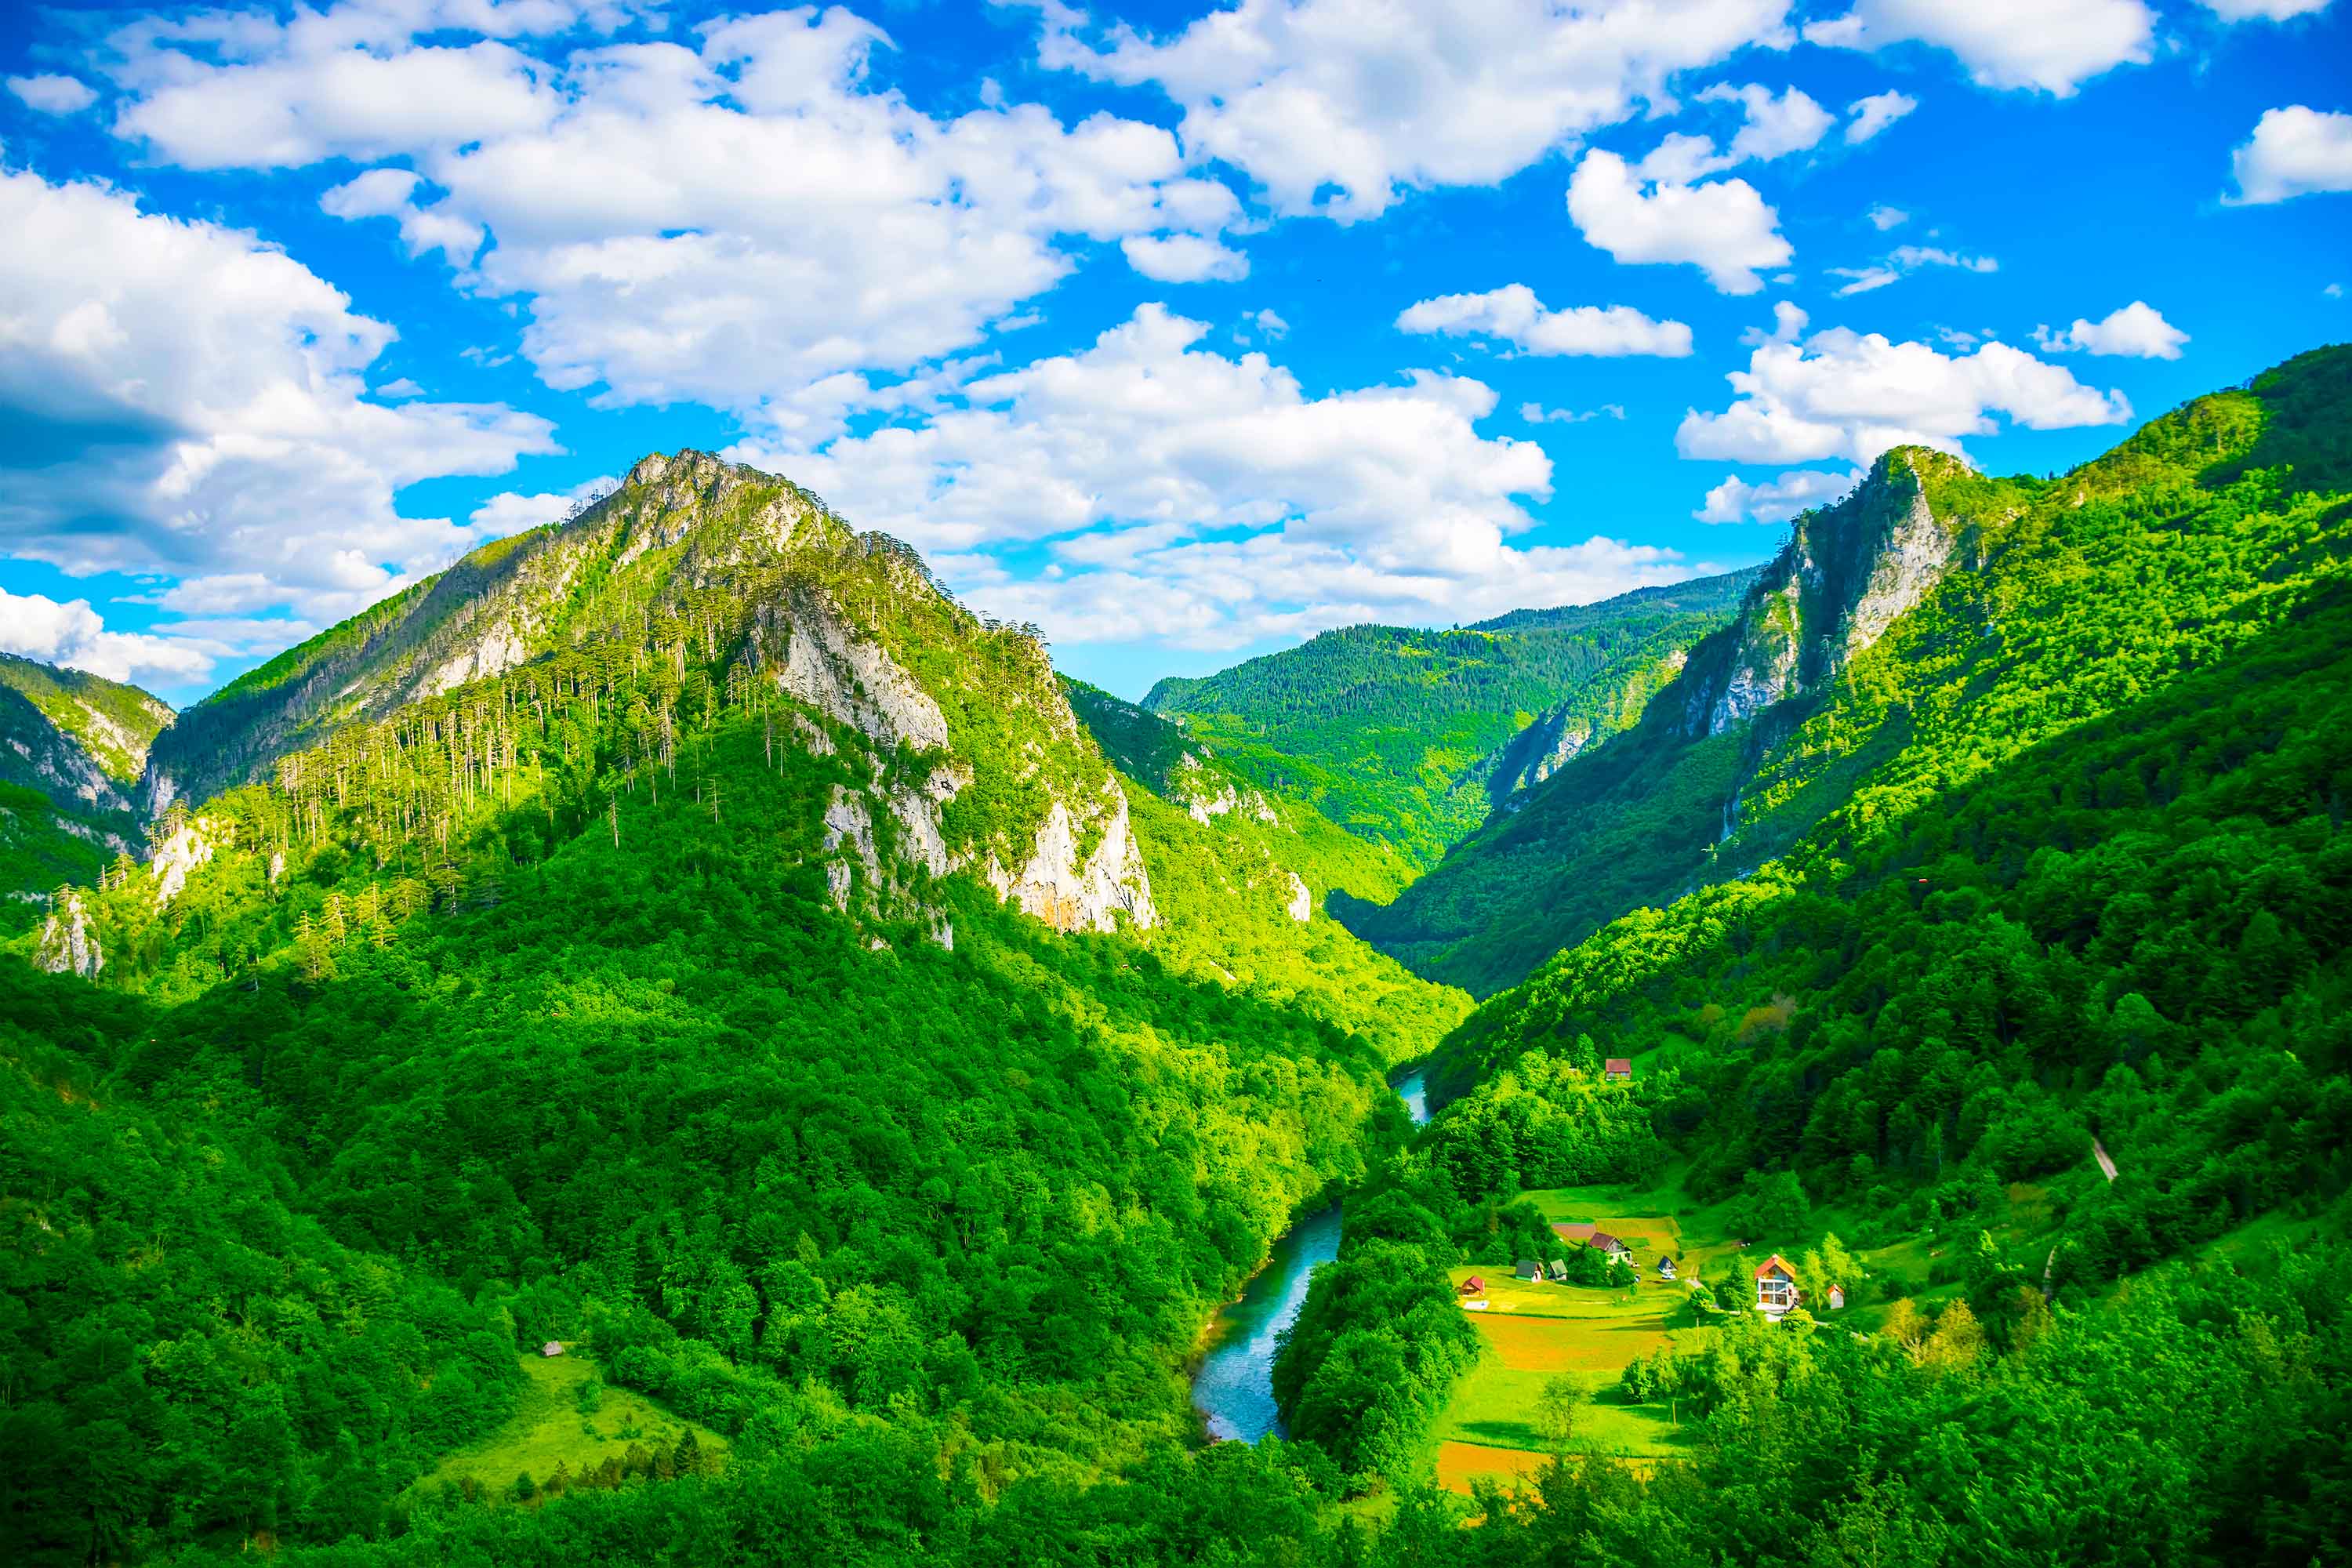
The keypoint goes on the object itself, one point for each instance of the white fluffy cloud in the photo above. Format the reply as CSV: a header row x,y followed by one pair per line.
x,y
53,94
1777,124
1209,500
1537,414
1722,227
1884,217
2053,45
740,217
1513,314
2262,10
1840,394
1772,126
511,512
390,193
72,634
2135,331
203,396
1776,499
2295,152
1185,258
1904,259
1337,106
1875,113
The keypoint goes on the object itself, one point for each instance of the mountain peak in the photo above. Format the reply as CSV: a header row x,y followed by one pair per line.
x,y
1847,573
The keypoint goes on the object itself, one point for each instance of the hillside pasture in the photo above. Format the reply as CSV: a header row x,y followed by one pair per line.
x,y
548,1427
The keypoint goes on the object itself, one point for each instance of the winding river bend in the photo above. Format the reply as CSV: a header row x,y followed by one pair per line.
x,y
1234,1385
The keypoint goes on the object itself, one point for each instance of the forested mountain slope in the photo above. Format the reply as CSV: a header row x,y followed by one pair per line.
x,y
73,746
704,942
2103,981
1411,737
1903,643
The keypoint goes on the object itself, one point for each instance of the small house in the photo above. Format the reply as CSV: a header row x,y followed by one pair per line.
x,y
1665,1268
1531,1270
1557,1271
1609,1246
1837,1298
1776,1285
1618,1069
1473,1286
552,1348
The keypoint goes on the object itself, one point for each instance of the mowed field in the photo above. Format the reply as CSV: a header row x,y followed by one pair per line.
x,y
1535,1332
547,1427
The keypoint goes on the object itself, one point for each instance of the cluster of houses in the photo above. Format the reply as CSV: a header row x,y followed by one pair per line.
x,y
1777,1291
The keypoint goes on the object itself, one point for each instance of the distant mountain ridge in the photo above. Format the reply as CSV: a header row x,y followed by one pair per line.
x,y
1934,619
1410,737
72,747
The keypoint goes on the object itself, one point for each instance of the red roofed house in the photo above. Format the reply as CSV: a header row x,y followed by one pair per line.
x,y
1618,1069
1776,1285
1616,1250
1473,1286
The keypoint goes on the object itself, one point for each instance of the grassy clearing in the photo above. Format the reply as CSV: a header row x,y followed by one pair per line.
x,y
549,1428
1534,1333
1537,1332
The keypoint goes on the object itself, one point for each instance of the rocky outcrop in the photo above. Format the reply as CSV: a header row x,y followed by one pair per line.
x,y
1069,894
1302,903
814,654
187,845
1537,752
66,944
1847,573
1205,795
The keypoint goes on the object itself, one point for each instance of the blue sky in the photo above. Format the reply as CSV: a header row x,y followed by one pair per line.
x,y
1184,333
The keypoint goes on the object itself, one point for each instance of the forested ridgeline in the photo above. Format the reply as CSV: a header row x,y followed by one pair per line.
x,y
72,747
1862,681
1410,737
671,995
2138,931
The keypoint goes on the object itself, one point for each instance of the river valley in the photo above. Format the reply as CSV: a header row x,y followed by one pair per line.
x,y
1233,1387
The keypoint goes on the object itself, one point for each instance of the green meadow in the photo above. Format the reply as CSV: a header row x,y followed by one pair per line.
x,y
552,1426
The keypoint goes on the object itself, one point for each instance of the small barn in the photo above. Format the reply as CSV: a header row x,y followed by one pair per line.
x,y
1531,1270
1837,1298
1618,1069
1665,1268
1609,1246
1557,1271
1776,1285
1473,1285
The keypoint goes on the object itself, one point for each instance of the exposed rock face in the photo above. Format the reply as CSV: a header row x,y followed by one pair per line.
x,y
499,651
59,768
1541,749
1847,573
1070,896
66,944
817,657
1302,903
188,845
1206,795
846,823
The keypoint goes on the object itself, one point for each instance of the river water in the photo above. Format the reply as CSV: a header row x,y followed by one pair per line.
x,y
1233,1387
